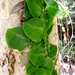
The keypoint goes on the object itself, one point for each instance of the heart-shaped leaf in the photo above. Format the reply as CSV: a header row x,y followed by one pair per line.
x,y
16,38
37,57
52,51
27,14
42,71
30,69
49,64
33,29
35,7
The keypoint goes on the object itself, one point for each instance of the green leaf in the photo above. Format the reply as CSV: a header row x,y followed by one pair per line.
x,y
39,51
33,29
30,69
36,45
49,64
47,20
16,38
27,14
42,71
52,51
52,8
44,4
54,72
49,30
37,57
49,2
35,7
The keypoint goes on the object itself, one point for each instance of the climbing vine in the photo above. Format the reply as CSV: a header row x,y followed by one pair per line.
x,y
39,15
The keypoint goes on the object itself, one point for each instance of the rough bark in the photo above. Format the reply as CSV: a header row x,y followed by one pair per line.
x,y
9,60
53,38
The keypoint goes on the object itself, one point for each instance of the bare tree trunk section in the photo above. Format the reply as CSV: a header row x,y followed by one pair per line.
x,y
53,38
10,16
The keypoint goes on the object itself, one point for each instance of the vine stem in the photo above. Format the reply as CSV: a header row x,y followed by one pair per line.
x,y
46,42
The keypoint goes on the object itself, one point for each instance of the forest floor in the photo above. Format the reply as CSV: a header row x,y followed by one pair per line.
x,y
67,68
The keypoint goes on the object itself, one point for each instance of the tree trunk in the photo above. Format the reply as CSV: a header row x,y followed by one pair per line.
x,y
53,38
13,62
10,16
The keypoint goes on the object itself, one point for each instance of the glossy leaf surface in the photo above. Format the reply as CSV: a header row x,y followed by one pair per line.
x,y
35,7
33,29
16,38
